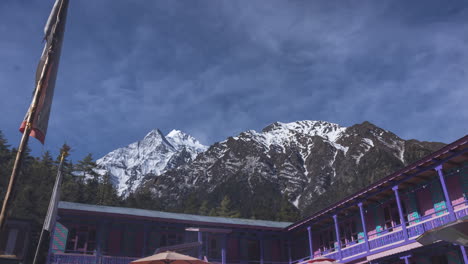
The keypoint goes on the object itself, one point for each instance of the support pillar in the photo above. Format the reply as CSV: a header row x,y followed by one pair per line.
x,y
145,240
337,231
311,248
289,251
400,212
364,228
465,258
406,258
448,202
100,238
200,248
223,250
261,249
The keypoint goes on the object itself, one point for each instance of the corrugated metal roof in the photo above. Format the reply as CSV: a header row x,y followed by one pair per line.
x,y
174,216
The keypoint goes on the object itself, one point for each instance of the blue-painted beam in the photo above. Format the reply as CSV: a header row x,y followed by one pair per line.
x,y
337,230
400,212
448,202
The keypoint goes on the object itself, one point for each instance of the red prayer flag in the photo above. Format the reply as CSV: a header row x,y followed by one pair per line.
x,y
46,72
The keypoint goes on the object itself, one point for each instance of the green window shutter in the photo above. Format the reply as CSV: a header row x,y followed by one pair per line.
x,y
60,238
378,220
464,180
438,198
413,212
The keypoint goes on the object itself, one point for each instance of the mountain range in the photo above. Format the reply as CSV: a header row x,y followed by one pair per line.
x,y
309,164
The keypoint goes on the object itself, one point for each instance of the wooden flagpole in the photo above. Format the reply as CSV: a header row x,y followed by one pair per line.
x,y
51,209
40,84
22,147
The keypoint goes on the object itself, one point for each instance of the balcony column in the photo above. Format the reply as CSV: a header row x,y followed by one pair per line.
x,y
400,212
364,228
145,240
448,202
465,258
337,230
200,247
406,258
100,238
261,249
223,249
309,232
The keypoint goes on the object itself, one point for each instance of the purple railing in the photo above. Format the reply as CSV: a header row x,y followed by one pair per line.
x,y
386,239
461,213
353,250
334,255
61,258
73,259
116,260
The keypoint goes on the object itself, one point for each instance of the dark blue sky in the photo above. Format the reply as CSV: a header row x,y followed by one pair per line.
x,y
216,68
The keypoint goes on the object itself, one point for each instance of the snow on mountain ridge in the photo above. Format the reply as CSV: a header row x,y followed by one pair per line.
x,y
154,154
280,134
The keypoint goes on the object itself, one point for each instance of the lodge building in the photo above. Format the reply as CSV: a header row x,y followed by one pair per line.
x,y
379,224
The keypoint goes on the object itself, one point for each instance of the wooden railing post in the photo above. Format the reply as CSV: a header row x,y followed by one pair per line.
x,y
337,230
448,202
364,228
400,212
309,232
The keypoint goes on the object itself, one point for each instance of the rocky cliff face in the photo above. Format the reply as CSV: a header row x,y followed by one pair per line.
x,y
311,163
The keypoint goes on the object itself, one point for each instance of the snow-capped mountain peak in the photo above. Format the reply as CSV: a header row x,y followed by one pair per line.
x,y
326,130
179,139
153,155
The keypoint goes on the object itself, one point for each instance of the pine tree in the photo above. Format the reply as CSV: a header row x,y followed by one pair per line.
x,y
143,198
72,185
86,168
213,212
191,204
203,210
5,168
287,211
225,209
107,192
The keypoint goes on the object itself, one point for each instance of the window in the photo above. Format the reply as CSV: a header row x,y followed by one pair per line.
x,y
326,240
392,216
214,251
81,239
170,239
348,232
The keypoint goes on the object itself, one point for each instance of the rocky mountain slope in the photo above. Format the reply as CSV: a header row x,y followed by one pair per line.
x,y
155,154
309,163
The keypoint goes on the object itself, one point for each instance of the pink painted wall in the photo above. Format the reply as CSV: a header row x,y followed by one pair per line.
x,y
114,242
371,222
425,204
316,242
233,249
139,243
455,191
276,250
370,225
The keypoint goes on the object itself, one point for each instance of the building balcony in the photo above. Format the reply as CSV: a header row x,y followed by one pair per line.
x,y
387,239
